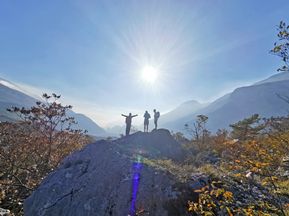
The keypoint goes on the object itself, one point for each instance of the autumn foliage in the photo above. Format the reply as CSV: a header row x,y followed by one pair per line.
x,y
281,47
34,146
247,178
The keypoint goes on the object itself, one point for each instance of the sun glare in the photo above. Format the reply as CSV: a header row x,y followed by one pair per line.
x,y
149,74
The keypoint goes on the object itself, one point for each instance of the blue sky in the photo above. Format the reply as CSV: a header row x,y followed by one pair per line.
x,y
92,51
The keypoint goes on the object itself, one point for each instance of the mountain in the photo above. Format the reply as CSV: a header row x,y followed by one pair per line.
x,y
276,77
12,95
183,110
261,98
114,178
84,122
116,130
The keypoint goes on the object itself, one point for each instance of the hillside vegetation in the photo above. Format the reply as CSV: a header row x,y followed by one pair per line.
x,y
244,171
248,168
31,148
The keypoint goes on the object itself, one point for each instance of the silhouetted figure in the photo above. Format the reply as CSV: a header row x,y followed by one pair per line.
x,y
146,116
156,118
128,122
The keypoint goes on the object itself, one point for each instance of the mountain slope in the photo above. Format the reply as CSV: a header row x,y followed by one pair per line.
x,y
259,98
183,110
84,122
243,102
275,78
11,95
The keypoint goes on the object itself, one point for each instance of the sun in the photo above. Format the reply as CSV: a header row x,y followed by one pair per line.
x,y
149,74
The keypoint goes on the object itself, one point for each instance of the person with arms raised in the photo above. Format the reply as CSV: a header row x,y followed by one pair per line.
x,y
128,122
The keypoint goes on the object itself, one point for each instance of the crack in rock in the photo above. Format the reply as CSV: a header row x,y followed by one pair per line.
x,y
71,193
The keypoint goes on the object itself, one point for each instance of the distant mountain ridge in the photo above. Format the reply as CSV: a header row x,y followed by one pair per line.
x,y
11,95
182,110
275,78
260,98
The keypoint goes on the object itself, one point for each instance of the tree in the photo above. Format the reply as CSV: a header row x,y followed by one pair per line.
x,y
49,119
32,147
249,179
247,128
199,131
281,48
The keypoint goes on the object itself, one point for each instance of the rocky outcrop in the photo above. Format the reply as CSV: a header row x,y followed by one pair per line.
x,y
284,168
4,212
109,178
158,144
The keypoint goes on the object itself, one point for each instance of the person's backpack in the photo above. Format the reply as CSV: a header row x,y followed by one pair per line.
x,y
157,114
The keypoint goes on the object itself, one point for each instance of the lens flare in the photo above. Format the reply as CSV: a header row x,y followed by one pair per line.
x,y
137,165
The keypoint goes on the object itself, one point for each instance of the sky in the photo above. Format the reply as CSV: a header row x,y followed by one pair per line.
x,y
94,52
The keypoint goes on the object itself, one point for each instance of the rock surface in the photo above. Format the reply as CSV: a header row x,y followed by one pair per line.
x,y
4,212
109,178
284,168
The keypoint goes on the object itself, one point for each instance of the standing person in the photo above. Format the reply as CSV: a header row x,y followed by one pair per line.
x,y
128,122
156,118
146,116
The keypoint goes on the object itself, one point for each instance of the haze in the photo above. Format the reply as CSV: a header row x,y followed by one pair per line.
x,y
94,53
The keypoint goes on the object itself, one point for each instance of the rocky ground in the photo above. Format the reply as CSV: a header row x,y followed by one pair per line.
x,y
109,178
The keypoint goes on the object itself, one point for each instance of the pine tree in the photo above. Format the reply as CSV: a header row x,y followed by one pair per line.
x,y
247,128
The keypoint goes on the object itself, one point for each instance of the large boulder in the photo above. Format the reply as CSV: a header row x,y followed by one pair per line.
x,y
109,178
158,144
